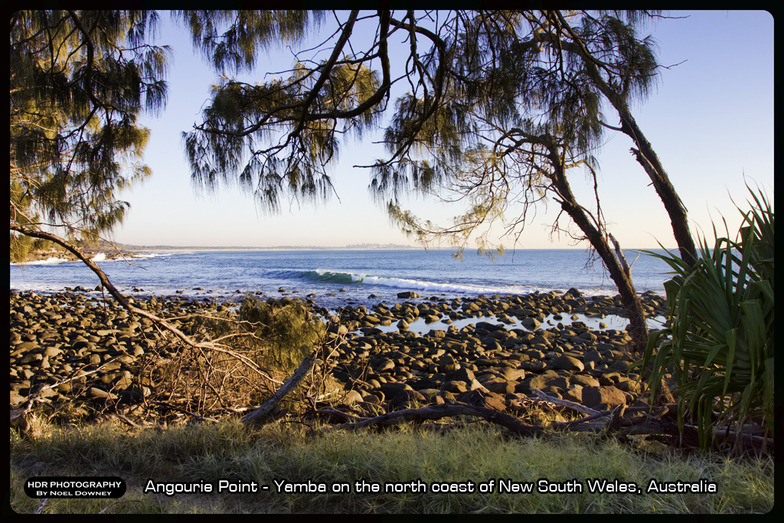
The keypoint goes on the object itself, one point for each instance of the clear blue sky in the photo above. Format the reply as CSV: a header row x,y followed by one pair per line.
x,y
710,119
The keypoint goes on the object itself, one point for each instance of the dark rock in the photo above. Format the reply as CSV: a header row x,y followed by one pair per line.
x,y
390,390
584,380
447,364
603,397
407,295
480,398
531,323
462,374
609,378
569,363
405,399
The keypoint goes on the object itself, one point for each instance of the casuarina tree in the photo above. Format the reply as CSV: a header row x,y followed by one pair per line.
x,y
493,108
78,82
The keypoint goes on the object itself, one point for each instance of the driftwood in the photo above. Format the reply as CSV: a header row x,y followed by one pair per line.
x,y
441,411
260,413
622,420
565,403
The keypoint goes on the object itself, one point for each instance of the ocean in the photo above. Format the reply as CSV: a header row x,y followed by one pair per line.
x,y
335,277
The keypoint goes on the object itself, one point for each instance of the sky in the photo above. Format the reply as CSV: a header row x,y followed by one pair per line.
x,y
710,120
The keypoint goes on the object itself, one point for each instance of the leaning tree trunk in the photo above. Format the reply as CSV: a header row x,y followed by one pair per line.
x,y
644,153
615,264
647,157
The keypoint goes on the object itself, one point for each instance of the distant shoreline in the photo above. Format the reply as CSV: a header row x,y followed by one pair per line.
x,y
119,250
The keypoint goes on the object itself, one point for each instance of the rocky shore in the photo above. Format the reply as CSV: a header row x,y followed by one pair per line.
x,y
75,347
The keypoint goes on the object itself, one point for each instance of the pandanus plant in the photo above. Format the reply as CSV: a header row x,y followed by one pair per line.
x,y
718,338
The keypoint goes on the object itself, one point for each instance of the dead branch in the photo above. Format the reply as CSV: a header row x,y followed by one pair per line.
x,y
123,301
433,412
260,413
565,403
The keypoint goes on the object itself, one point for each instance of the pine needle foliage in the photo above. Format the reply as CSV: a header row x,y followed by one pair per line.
x,y
474,94
719,337
78,82
476,91
492,109
288,331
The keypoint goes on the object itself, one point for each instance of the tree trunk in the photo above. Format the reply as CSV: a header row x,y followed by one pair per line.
x,y
261,413
647,157
619,271
644,154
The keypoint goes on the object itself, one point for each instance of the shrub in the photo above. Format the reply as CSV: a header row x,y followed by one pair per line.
x,y
287,330
718,339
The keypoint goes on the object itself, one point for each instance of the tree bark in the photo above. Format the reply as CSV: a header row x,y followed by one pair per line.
x,y
638,329
644,152
648,159
304,368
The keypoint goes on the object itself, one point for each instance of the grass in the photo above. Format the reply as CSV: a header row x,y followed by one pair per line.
x,y
468,453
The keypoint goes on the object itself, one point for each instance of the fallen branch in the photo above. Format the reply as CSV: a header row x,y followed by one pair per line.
x,y
332,411
260,413
123,301
433,412
565,403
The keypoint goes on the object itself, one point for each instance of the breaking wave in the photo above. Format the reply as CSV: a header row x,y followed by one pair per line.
x,y
349,278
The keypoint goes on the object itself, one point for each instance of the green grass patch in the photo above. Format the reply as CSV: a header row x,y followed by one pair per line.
x,y
470,454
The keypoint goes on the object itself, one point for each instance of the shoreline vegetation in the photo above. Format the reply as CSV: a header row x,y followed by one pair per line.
x,y
83,368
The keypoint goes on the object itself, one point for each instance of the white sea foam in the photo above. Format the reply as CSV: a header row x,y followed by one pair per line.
x,y
48,261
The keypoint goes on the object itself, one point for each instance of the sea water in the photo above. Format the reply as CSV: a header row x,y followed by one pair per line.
x,y
335,277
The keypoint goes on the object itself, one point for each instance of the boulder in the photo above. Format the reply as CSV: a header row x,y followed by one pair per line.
x,y
499,385
531,323
462,374
391,390
353,397
480,398
405,399
603,397
584,380
574,393
569,363
512,374
454,386
407,295
447,363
